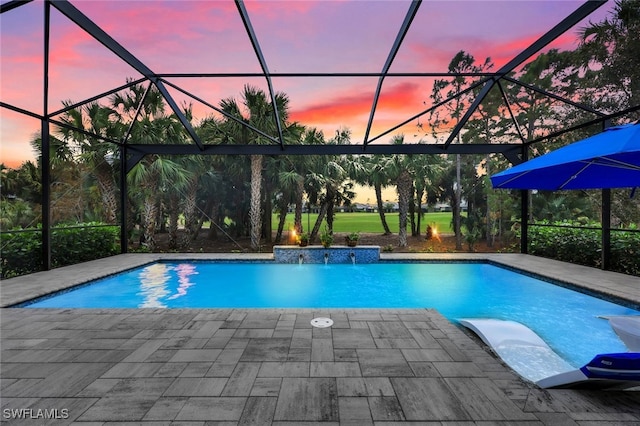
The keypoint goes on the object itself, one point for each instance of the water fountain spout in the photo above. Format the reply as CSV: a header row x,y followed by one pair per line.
x,y
326,258
300,259
352,255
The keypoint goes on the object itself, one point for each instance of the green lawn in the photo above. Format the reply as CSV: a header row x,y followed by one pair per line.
x,y
368,222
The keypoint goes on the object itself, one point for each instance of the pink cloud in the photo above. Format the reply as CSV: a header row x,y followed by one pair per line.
x,y
189,37
397,102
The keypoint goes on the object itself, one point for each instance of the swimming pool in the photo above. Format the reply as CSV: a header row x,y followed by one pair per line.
x,y
566,319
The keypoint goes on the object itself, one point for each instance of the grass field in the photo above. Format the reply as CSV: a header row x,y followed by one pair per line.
x,y
368,222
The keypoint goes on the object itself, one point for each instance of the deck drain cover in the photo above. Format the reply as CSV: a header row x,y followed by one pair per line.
x,y
321,322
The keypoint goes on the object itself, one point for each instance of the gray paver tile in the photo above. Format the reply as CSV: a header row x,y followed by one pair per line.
x,y
171,369
353,338
132,369
322,350
161,355
428,399
69,379
212,408
426,355
424,338
118,408
354,408
196,355
389,330
253,333
230,355
385,408
312,399
284,369
241,381
282,333
454,350
335,369
475,402
237,343
458,369
383,362
104,355
258,411
19,387
379,386
266,386
144,350
195,369
202,386
299,354
41,355
351,386
424,369
266,350
258,322
98,388
301,338
345,355
396,343
140,386
166,408
206,329
499,398
221,369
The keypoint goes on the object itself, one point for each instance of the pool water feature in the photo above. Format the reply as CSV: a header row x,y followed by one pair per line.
x,y
566,319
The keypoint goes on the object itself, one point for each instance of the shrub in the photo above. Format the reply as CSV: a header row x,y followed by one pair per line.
x,y
22,250
583,246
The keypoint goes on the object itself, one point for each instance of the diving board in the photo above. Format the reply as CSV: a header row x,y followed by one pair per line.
x,y
530,356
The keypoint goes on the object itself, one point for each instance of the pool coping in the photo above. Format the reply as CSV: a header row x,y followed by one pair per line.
x,y
611,285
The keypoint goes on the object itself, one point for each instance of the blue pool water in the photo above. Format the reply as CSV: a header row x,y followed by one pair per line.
x,y
567,320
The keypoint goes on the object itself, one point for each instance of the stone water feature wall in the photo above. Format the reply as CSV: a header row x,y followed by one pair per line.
x,y
336,254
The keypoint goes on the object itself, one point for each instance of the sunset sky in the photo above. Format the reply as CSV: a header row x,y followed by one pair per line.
x,y
295,37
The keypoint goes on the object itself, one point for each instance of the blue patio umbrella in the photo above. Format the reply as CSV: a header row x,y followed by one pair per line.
x,y
610,159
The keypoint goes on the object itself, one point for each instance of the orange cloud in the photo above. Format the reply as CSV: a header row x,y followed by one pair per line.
x,y
17,130
397,102
395,98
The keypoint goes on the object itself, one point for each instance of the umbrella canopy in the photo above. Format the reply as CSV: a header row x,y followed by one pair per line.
x,y
610,159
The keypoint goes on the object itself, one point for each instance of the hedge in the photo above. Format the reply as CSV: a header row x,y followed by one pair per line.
x,y
583,246
22,250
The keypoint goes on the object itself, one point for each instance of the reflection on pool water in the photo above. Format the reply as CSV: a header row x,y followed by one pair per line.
x,y
567,320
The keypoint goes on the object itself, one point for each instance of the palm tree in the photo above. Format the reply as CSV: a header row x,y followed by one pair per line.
x,y
259,114
427,169
373,173
328,183
284,182
154,176
96,154
151,177
398,168
311,136
289,182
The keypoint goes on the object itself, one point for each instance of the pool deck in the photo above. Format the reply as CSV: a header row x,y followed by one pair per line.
x,y
269,366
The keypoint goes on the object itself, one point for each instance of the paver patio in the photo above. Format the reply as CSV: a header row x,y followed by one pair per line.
x,y
249,366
